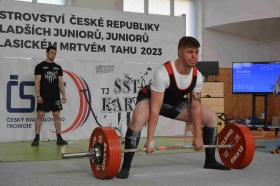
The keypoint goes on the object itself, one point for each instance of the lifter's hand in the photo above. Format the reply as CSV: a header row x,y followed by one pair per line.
x,y
149,146
276,88
64,99
39,99
198,143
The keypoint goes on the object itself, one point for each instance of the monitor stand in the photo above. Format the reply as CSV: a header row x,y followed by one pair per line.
x,y
265,107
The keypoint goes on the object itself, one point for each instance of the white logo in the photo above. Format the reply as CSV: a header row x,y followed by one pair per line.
x,y
51,76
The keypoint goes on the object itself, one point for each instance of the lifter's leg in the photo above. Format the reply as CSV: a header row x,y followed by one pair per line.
x,y
209,120
57,124
38,124
132,137
209,138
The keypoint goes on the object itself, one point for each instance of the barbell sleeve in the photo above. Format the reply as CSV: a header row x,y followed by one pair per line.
x,y
75,155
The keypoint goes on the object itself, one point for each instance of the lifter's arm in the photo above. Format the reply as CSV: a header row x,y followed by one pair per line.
x,y
37,89
155,106
196,114
61,88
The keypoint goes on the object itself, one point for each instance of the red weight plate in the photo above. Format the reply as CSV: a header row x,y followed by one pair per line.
x,y
242,152
108,139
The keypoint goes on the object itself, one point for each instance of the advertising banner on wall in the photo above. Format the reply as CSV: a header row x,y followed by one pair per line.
x,y
106,56
87,34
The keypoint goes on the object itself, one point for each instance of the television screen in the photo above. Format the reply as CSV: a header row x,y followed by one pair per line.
x,y
208,68
254,77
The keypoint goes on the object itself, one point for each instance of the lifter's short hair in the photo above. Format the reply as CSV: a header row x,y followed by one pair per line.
x,y
51,48
188,42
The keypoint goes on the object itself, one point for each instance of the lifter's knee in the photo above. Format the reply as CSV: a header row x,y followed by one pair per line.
x,y
138,121
136,126
40,116
211,119
56,116
140,116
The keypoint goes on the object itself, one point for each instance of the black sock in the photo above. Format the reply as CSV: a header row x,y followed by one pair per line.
x,y
37,136
59,136
209,138
131,142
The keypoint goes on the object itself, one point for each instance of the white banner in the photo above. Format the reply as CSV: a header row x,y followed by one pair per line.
x,y
111,91
86,34
131,47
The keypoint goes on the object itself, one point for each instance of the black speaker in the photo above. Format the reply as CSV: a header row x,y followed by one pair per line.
x,y
208,68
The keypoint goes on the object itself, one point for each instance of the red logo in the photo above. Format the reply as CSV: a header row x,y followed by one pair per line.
x,y
84,111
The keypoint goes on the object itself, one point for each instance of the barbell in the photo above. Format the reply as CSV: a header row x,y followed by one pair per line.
x,y
235,145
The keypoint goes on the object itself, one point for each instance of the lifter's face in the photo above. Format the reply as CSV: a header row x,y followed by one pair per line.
x,y
189,56
51,55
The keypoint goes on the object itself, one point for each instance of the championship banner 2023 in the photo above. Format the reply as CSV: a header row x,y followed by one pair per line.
x,y
87,34
108,54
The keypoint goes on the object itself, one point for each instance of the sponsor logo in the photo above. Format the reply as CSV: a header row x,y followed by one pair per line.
x,y
105,69
28,98
16,90
84,95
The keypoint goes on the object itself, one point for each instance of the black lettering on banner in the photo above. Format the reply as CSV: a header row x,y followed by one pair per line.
x,y
27,44
83,47
27,29
123,49
132,25
151,51
86,21
127,37
10,15
25,23
118,86
105,90
19,125
59,32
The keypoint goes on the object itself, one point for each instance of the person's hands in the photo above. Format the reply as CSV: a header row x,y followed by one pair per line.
x,y
149,147
64,99
39,99
198,143
276,89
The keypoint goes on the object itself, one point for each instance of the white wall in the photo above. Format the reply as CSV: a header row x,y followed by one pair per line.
x,y
274,48
226,47
219,12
